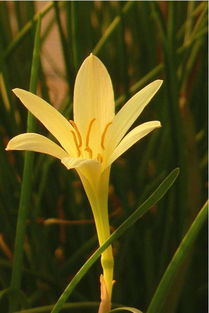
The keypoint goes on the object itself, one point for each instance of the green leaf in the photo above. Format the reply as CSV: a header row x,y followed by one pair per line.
x,y
133,218
181,253
27,27
112,27
26,183
68,307
8,292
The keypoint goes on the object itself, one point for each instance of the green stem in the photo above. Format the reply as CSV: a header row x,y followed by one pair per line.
x,y
26,186
103,230
97,193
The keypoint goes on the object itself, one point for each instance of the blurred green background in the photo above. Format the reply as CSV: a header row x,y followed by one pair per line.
x,y
138,42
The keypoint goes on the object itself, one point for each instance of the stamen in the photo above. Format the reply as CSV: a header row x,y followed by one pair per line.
x,y
89,151
104,133
77,133
76,143
88,132
99,158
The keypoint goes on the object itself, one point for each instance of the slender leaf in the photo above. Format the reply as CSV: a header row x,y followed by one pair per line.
x,y
109,31
178,258
26,183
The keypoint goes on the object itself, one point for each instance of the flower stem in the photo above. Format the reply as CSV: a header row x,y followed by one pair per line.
x,y
100,212
97,193
107,261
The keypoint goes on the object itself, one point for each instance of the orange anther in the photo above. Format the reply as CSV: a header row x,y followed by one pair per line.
x,y
77,133
104,133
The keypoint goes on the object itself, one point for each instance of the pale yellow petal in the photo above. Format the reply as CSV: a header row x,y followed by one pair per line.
x,y
55,122
36,143
79,163
132,137
93,96
124,119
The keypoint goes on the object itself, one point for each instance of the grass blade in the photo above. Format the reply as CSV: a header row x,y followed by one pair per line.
x,y
109,31
26,184
178,258
26,29
68,306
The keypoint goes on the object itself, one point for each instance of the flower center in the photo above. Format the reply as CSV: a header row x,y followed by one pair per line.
x,y
79,142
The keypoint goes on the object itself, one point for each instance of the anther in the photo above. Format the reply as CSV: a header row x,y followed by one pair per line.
x,y
77,133
76,143
103,134
99,158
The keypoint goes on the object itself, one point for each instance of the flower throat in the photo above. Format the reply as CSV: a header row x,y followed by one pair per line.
x,y
79,142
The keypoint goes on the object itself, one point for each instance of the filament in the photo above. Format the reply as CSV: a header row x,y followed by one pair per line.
x,y
89,151
88,132
99,158
76,143
77,133
103,134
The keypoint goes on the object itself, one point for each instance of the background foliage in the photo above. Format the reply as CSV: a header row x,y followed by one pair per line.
x,y
138,42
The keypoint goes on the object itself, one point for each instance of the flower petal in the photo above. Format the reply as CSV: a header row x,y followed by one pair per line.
x,y
79,163
53,120
129,113
93,96
36,143
132,137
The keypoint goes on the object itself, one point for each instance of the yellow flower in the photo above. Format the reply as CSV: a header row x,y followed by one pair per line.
x,y
93,141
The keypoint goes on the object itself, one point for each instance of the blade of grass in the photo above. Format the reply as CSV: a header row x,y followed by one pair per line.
x,y
109,31
169,44
74,27
190,38
140,211
64,45
5,22
26,184
12,46
123,57
7,100
67,306
181,253
157,69
142,82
